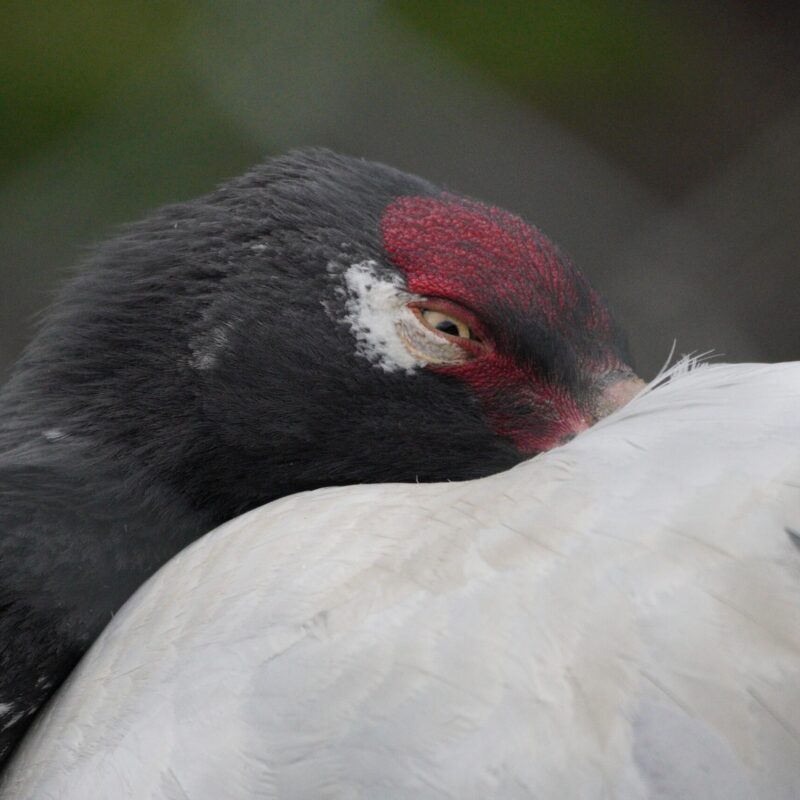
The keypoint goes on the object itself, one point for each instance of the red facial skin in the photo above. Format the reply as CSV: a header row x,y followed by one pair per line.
x,y
475,261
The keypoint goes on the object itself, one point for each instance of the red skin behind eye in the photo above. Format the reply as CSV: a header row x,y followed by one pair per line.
x,y
480,256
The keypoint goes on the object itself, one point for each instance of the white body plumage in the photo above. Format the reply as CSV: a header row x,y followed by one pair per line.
x,y
617,618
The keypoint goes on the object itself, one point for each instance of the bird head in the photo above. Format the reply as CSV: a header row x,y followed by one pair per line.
x,y
393,331
327,320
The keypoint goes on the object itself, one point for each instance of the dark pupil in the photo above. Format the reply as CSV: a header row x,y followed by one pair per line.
x,y
448,327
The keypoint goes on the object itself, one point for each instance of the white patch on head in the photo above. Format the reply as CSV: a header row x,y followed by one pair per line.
x,y
258,248
375,306
207,348
53,435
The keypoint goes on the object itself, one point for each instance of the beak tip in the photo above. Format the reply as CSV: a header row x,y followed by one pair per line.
x,y
617,394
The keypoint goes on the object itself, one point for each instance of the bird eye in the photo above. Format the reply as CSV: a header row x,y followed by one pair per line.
x,y
434,331
446,323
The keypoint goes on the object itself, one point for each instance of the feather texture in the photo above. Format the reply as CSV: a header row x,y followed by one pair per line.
x,y
617,618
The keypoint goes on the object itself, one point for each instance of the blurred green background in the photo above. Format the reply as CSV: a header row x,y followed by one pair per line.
x,y
658,142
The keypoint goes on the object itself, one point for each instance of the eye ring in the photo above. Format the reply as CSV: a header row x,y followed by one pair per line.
x,y
443,332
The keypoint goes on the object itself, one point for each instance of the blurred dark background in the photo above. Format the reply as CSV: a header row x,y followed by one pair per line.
x,y
658,142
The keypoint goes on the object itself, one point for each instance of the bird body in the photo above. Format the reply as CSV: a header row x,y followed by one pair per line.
x,y
321,320
616,618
